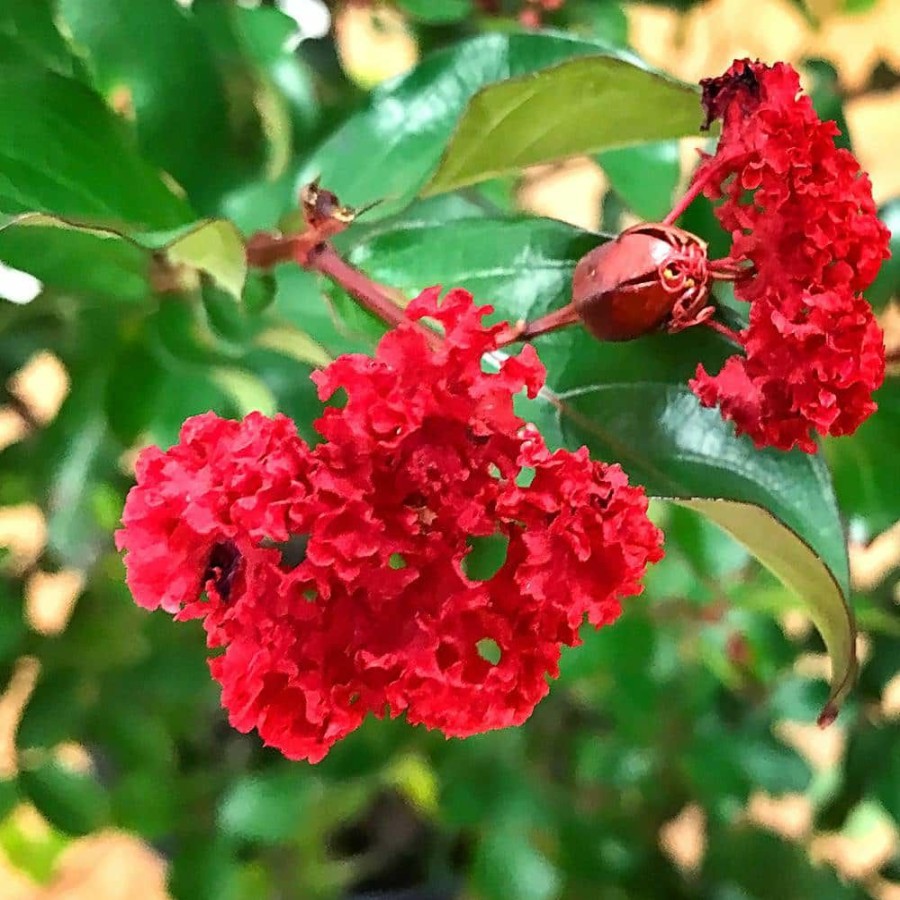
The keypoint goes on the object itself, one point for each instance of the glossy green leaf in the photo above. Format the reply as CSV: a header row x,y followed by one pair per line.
x,y
73,802
28,34
75,158
630,403
152,54
391,148
212,246
580,106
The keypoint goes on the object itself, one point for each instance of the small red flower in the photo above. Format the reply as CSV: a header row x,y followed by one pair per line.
x,y
801,212
198,507
378,613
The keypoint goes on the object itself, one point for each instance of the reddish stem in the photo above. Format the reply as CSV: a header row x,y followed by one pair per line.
x,y
695,189
526,331
368,293
892,357
725,331
726,269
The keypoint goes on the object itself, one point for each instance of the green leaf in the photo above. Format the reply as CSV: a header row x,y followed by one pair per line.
x,y
437,12
212,246
580,106
749,864
78,263
9,796
791,558
629,402
146,802
392,147
134,390
863,466
28,27
75,158
267,807
54,711
12,623
887,285
204,868
645,176
508,865
602,19
74,452
825,91
73,802
154,53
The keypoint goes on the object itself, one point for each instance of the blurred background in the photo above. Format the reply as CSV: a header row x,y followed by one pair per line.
x,y
677,756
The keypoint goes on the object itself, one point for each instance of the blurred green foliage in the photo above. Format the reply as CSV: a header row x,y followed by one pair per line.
x,y
145,303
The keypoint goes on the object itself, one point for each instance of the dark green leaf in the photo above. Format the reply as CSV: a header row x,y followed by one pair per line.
x,y
73,802
287,377
204,868
54,711
152,55
888,789
134,390
9,796
436,12
75,158
12,623
757,865
142,801
28,27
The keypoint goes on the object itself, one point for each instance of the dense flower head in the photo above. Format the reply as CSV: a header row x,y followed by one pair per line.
x,y
340,581
802,218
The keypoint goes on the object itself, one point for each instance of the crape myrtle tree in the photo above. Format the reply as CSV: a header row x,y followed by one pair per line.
x,y
473,527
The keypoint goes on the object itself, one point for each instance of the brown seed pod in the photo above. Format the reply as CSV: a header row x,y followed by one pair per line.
x,y
650,277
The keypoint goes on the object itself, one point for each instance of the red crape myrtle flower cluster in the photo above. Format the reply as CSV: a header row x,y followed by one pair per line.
x,y
806,241
801,215
332,581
